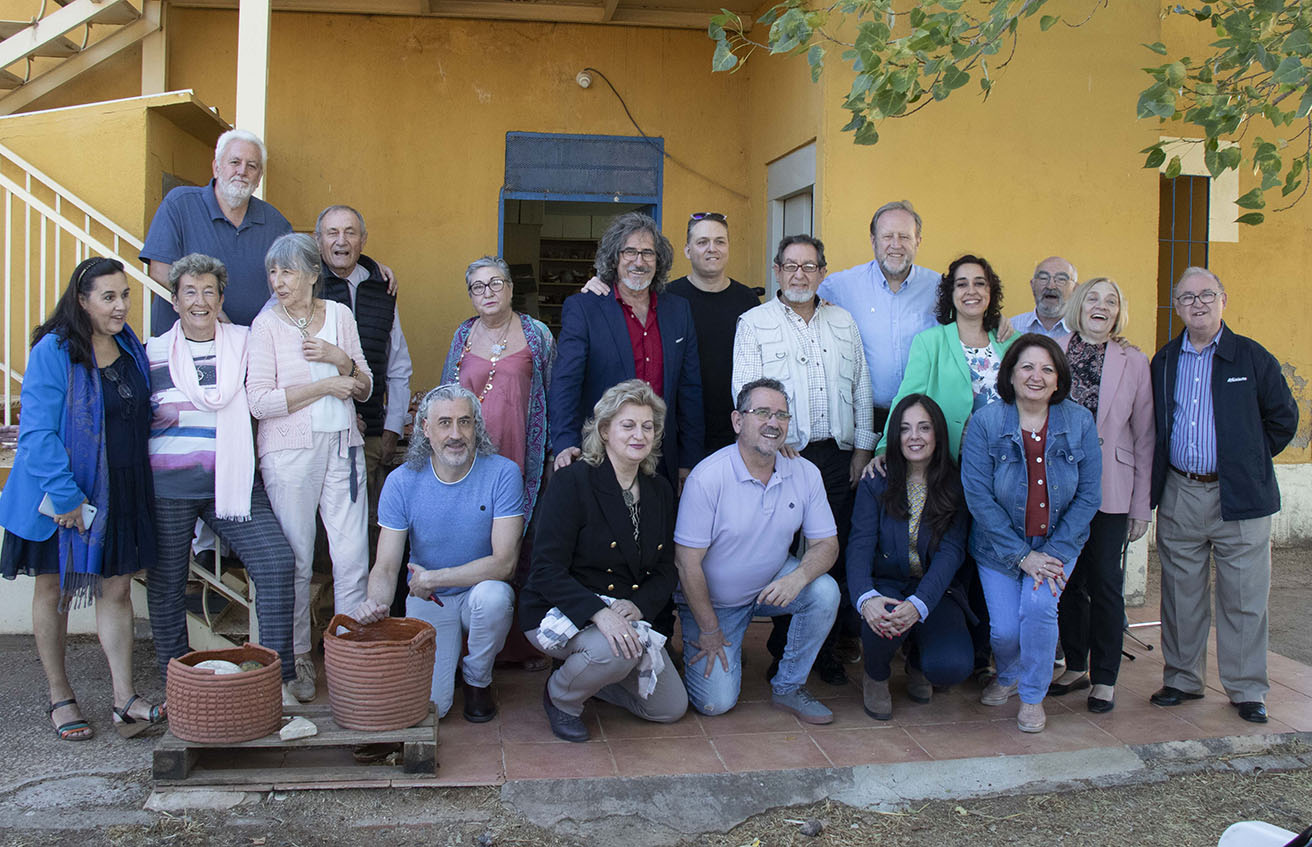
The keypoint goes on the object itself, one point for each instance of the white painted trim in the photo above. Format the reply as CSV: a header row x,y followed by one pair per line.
x,y
1223,190
253,20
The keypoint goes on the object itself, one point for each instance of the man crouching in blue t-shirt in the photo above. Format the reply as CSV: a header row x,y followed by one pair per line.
x,y
461,506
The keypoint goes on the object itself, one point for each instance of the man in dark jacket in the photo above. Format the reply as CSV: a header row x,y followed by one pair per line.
x,y
1212,387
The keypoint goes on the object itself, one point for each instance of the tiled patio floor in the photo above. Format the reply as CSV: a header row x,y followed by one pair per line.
x,y
754,736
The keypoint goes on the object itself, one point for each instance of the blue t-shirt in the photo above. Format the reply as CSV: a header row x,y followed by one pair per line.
x,y
450,523
190,221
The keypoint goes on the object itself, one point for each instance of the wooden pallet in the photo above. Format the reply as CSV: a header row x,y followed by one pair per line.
x,y
320,761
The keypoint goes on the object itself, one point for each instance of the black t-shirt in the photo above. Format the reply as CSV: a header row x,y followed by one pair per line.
x,y
715,316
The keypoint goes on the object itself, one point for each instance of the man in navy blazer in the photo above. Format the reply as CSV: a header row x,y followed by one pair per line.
x,y
635,331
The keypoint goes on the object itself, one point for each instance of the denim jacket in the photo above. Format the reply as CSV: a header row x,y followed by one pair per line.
x,y
995,478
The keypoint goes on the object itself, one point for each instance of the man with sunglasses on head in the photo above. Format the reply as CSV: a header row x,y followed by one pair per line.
x,y
814,349
1214,387
1053,283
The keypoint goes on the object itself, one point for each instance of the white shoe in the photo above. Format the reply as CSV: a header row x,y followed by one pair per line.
x,y
304,687
997,694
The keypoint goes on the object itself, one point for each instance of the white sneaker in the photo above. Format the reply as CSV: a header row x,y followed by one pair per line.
x,y
997,694
303,688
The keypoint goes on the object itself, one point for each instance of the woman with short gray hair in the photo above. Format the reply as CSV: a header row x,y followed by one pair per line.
x,y
306,368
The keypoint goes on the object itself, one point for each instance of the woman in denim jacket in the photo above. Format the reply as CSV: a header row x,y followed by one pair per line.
x,y
1032,472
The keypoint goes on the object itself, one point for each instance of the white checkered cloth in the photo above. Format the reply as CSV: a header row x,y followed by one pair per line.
x,y
556,630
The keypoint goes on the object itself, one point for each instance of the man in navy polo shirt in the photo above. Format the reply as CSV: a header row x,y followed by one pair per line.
x,y
222,220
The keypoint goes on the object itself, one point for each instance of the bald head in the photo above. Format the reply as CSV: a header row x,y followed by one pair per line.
x,y
1053,281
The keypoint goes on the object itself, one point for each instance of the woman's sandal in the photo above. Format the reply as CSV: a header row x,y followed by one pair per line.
x,y
70,731
129,726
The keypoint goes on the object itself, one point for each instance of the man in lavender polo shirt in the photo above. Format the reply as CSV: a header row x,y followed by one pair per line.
x,y
740,509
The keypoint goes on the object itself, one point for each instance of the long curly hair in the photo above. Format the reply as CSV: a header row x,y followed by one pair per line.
x,y
421,449
607,262
946,311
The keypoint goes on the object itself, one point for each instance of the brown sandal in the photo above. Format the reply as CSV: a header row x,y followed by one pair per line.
x,y
68,731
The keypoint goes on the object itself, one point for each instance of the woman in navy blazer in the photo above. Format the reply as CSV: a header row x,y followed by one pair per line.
x,y
1113,383
907,543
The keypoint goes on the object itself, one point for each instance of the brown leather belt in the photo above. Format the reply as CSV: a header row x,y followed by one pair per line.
x,y
1196,477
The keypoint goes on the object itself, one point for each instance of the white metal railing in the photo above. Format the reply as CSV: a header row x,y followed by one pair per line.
x,y
35,253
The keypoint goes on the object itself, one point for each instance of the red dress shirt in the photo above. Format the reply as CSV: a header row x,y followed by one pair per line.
x,y
648,355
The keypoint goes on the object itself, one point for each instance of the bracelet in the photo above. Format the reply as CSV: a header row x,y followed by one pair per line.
x,y
355,369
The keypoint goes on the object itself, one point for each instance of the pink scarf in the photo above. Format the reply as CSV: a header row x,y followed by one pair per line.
x,y
234,448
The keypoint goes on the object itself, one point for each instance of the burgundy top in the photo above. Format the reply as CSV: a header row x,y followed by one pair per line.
x,y
1036,501
648,356
505,406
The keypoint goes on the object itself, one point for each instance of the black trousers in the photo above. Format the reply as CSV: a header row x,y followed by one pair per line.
x,y
1091,613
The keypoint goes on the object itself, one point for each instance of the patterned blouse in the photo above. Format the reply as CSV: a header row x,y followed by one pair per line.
x,y
1086,371
916,501
983,363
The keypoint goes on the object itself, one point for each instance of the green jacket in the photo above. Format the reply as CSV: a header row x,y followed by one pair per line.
x,y
937,367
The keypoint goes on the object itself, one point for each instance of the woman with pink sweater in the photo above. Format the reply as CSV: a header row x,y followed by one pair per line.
x,y
306,367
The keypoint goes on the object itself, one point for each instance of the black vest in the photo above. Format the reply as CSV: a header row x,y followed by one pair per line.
x,y
375,311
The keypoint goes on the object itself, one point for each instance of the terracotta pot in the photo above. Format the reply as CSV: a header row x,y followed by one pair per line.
x,y
215,708
380,675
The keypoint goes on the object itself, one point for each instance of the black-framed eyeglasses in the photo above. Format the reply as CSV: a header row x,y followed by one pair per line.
x,y
1045,277
494,285
1204,297
124,391
792,267
763,414
632,253
708,216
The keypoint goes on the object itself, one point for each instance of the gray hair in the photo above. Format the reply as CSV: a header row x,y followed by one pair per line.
x,y
1194,270
421,449
318,223
221,146
197,264
745,393
294,251
896,206
633,391
487,262
612,242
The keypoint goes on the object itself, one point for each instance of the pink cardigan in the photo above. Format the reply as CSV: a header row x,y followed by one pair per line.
x,y
1126,431
276,364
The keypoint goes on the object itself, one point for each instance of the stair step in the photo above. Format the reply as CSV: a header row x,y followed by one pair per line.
x,y
60,48
9,81
116,12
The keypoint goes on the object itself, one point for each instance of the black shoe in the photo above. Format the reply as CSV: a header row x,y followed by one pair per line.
x,y
1099,706
830,669
479,705
1252,711
1057,689
1168,696
564,726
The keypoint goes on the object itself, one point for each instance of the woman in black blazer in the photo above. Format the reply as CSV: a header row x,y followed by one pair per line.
x,y
920,503
603,567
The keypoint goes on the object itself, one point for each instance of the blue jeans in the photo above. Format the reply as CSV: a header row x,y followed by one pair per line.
x,y
482,615
813,611
1022,629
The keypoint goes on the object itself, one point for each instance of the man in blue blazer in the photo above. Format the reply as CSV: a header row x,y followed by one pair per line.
x,y
635,331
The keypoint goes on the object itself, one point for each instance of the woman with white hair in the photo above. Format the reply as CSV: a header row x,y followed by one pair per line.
x,y
306,367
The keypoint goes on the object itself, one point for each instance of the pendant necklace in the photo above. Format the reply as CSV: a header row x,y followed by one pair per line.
x,y
496,348
302,324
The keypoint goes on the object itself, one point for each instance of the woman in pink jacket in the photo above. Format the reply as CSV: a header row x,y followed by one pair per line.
x,y
306,368
1112,381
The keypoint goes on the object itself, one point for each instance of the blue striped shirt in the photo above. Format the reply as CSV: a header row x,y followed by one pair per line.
x,y
1193,427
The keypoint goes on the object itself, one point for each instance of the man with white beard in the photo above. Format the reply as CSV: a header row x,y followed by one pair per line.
x,y
223,220
814,349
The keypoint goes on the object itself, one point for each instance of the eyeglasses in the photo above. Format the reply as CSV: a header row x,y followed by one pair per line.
x,y
124,391
494,285
632,253
763,414
1204,297
791,268
708,216
1045,278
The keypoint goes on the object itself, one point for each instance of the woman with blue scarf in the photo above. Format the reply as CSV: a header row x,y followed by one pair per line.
x,y
77,507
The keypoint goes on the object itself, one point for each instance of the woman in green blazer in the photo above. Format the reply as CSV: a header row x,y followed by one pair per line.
x,y
956,363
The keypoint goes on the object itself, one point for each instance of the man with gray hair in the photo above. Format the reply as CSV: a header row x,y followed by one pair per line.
x,y
637,331
1214,387
461,506
356,281
1053,283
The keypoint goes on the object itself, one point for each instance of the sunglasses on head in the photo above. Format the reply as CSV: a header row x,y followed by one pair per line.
x,y
708,216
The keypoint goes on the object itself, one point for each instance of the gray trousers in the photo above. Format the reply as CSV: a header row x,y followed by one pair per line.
x,y
1189,528
592,670
480,617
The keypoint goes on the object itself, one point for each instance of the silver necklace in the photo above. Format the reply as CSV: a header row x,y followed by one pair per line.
x,y
302,324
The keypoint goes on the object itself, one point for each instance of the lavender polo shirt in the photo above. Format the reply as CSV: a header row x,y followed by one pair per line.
x,y
745,526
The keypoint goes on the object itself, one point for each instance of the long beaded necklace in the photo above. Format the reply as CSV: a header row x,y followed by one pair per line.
x,y
497,349
302,324
632,503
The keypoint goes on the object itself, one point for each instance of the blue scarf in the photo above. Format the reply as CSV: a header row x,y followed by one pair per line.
x,y
81,555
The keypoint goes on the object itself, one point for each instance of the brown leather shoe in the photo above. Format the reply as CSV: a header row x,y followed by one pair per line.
x,y
479,705
877,700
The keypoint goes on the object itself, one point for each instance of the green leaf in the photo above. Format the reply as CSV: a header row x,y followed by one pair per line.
x,y
1251,200
1156,156
866,135
1175,74
816,56
1172,168
1290,72
724,59
1304,105
1156,100
1251,219
1046,22
954,78
1230,158
1157,47
1299,41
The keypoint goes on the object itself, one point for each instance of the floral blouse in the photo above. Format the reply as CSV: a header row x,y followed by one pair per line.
x,y
1086,371
983,363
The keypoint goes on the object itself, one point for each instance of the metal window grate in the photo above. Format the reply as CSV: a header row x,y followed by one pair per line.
x,y
1181,241
610,166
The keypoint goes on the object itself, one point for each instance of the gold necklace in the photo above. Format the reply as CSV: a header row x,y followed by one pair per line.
x,y
497,349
